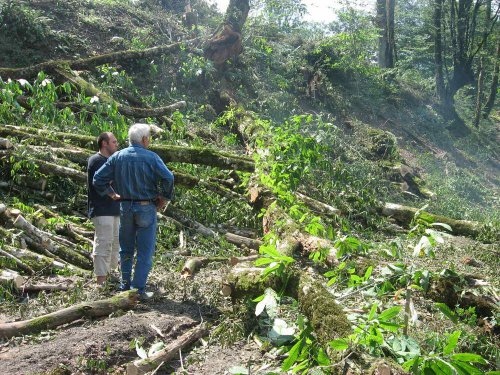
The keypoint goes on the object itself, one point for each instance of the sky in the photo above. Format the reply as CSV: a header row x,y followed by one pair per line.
x,y
319,10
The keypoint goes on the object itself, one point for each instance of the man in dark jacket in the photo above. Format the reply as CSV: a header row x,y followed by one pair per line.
x,y
104,213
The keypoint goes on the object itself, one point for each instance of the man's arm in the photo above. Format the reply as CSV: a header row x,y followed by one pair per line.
x,y
166,179
102,180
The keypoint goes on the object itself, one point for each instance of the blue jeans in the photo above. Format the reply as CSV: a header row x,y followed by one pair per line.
x,y
137,227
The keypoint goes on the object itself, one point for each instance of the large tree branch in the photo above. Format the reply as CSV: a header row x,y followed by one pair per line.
x,y
89,62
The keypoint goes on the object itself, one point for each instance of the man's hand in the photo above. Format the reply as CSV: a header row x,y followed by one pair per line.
x,y
114,196
160,202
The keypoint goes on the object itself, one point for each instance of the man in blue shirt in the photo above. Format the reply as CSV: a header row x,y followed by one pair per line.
x,y
142,183
104,212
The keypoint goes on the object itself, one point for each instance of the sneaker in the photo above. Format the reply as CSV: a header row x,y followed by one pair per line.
x,y
146,296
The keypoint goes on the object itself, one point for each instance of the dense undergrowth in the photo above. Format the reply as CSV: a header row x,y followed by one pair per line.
x,y
340,141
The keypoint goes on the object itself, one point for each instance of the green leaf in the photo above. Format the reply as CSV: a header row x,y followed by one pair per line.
x,y
463,368
293,354
322,358
372,311
155,348
447,312
469,357
264,260
440,366
443,225
339,344
390,313
493,373
452,342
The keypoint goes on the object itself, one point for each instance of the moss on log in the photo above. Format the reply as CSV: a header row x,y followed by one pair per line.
x,y
327,319
122,301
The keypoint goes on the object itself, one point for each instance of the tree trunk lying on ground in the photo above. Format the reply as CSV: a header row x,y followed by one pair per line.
x,y
192,265
170,351
38,263
95,309
88,62
169,153
315,301
404,215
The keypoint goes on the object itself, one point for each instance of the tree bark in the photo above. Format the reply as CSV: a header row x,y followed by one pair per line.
x,y
494,84
143,366
385,24
479,95
226,41
95,309
68,254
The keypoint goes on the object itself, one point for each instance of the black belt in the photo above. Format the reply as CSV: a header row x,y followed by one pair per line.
x,y
140,201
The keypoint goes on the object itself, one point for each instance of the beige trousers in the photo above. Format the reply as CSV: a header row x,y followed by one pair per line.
x,y
106,244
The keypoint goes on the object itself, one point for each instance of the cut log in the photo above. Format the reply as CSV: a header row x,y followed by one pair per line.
x,y
404,215
182,218
89,62
5,144
143,366
11,278
95,309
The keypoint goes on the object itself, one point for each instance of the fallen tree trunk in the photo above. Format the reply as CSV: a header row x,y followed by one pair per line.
x,y
95,309
40,264
404,215
87,63
143,366
193,265
169,153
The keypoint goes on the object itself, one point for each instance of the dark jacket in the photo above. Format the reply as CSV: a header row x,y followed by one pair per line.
x,y
99,205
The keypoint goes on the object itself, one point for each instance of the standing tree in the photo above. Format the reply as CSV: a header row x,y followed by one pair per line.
x,y
460,41
385,24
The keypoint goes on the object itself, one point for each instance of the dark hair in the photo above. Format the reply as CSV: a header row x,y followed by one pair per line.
x,y
103,137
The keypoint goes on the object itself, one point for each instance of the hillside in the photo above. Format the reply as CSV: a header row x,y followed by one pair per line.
x,y
377,228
